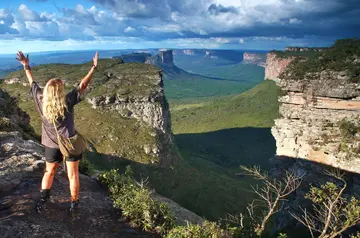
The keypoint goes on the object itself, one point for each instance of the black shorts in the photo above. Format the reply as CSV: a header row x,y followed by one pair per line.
x,y
53,155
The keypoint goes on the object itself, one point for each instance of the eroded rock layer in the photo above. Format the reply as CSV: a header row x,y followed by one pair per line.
x,y
319,119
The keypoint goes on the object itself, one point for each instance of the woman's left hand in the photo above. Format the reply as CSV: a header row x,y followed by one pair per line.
x,y
22,59
95,59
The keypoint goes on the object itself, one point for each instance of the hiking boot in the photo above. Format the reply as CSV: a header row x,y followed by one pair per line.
x,y
74,205
41,203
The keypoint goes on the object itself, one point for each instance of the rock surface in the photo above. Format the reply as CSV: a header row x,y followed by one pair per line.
x,y
164,57
320,116
275,66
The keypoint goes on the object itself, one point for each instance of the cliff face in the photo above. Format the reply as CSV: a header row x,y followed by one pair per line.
x,y
275,66
127,109
319,115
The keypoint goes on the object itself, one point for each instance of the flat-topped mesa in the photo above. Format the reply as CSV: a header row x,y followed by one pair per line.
x,y
132,118
165,57
321,109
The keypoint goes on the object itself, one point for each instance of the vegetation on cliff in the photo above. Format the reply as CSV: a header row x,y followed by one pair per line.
x,y
344,55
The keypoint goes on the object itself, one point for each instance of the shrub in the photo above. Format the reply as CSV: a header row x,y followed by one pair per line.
x,y
136,202
348,129
342,56
207,230
85,167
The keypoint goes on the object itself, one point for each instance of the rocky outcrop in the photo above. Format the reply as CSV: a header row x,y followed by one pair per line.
x,y
254,58
276,65
319,117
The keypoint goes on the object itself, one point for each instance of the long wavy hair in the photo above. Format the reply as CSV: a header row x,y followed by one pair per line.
x,y
53,103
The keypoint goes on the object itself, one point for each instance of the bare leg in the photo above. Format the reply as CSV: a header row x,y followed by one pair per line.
x,y
49,174
46,184
73,175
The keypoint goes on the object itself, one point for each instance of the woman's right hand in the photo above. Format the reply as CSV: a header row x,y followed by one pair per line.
x,y
95,59
22,59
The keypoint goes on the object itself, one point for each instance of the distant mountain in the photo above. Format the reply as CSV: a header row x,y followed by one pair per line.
x,y
134,57
165,61
231,55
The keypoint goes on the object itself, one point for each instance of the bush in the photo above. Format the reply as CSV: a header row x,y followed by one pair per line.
x,y
136,202
348,129
207,230
85,167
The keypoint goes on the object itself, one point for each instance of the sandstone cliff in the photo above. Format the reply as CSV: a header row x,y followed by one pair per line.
x,y
275,65
320,110
165,57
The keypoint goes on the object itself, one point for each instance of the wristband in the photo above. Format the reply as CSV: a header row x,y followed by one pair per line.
x,y
27,67
94,66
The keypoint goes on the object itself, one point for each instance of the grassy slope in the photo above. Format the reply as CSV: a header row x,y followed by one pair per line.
x,y
223,134
215,138
238,78
254,108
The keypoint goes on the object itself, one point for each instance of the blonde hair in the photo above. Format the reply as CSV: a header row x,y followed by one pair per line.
x,y
54,105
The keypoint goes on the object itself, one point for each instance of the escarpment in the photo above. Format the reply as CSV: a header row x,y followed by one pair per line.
x,y
125,112
320,110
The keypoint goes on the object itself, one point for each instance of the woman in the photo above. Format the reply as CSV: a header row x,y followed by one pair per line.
x,y
54,105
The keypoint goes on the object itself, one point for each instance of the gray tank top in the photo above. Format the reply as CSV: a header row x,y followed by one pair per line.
x,y
65,126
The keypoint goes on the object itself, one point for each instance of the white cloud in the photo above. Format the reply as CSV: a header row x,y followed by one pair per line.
x,y
129,29
294,21
28,15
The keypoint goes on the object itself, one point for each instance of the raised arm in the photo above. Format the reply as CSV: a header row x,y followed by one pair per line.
x,y
86,80
25,62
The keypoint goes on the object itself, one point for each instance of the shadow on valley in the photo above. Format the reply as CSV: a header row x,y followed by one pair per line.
x,y
230,148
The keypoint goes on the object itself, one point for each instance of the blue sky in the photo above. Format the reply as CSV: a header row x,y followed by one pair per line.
x,y
45,25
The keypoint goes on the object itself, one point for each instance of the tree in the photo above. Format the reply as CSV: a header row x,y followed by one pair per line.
x,y
272,195
332,213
